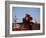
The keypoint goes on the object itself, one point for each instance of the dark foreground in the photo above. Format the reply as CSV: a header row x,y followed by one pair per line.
x,y
23,27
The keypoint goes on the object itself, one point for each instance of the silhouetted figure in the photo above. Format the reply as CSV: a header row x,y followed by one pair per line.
x,y
27,20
